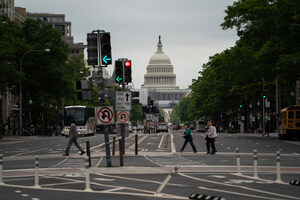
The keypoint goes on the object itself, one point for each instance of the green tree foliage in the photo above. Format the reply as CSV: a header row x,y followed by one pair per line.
x,y
174,115
136,113
184,110
47,78
269,46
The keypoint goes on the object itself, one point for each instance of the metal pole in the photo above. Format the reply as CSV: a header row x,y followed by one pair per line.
x,y
278,172
36,177
168,178
123,137
121,152
114,146
87,179
107,147
136,144
238,160
1,169
277,106
88,152
255,163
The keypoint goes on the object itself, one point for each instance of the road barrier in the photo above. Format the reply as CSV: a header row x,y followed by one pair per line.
x,y
36,174
136,144
204,197
278,172
238,160
255,174
1,169
168,178
88,152
121,152
295,182
114,146
87,173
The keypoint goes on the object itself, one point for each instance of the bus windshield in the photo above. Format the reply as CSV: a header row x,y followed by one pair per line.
x,y
76,114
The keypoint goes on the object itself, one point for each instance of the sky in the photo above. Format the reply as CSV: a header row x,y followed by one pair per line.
x,y
190,30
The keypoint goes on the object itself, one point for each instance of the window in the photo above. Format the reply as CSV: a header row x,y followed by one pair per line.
x,y
291,115
297,114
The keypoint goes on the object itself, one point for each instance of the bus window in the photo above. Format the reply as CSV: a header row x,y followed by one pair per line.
x,y
291,115
298,115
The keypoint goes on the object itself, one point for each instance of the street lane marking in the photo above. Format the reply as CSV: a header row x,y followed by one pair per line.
x,y
99,161
35,199
147,158
139,141
104,179
238,186
114,189
25,195
61,162
18,191
20,154
161,141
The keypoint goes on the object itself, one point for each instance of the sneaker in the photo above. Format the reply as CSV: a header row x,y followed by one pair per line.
x,y
195,151
83,152
213,152
181,151
65,154
208,152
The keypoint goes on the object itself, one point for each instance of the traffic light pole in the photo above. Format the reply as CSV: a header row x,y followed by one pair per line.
x,y
264,128
122,124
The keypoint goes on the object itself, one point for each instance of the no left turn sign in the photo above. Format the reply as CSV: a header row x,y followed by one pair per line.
x,y
123,117
105,115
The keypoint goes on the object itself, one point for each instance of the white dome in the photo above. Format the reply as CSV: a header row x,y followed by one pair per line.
x,y
159,58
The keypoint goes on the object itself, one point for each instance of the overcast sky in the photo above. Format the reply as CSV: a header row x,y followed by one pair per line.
x,y
190,29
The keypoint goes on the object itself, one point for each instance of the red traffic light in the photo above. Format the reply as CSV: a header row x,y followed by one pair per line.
x,y
127,63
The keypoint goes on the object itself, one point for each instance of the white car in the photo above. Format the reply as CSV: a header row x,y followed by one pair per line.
x,y
162,127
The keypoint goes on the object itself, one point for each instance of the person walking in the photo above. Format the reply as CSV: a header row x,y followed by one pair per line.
x,y
188,138
73,139
210,138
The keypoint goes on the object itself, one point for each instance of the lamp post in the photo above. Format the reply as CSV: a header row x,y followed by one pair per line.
x,y
20,95
30,119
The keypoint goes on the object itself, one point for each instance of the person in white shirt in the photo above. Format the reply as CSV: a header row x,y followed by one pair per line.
x,y
211,135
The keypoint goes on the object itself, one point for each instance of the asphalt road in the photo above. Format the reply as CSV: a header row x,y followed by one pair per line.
x,y
142,175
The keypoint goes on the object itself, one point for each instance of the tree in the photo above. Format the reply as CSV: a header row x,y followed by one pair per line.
x,y
174,118
184,110
136,113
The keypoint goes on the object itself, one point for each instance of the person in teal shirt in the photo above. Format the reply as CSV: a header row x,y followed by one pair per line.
x,y
188,138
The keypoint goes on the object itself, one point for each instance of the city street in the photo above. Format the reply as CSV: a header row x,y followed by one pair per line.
x,y
142,175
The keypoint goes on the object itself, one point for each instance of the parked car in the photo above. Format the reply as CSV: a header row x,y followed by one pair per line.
x,y
162,127
175,127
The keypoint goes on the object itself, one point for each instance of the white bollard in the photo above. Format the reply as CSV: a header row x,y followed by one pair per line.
x,y
238,161
255,174
87,179
1,169
36,176
278,172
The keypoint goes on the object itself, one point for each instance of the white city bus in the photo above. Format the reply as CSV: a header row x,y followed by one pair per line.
x,y
83,117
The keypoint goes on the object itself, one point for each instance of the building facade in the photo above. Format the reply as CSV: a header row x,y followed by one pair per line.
x,y
8,8
160,81
58,22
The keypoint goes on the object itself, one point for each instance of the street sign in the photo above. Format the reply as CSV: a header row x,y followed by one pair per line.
x,y
105,115
123,117
149,117
123,100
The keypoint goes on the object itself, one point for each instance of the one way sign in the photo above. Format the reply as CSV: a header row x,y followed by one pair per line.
x,y
123,100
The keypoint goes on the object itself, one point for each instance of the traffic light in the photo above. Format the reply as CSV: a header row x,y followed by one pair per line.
x,y
92,49
264,96
241,105
127,68
105,48
118,71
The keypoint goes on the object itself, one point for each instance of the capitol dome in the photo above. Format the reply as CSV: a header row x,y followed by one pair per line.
x,y
160,73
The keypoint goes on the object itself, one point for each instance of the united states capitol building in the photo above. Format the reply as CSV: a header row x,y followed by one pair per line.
x,y
160,81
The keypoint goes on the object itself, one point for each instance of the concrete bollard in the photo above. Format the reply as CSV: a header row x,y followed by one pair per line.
x,y
87,179
1,169
168,178
255,174
114,146
36,176
121,152
278,172
136,144
238,161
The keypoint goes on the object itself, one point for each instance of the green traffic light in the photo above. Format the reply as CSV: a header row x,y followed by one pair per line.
x,y
241,106
151,106
264,96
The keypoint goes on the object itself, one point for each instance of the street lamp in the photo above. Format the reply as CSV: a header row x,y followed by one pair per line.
x,y
20,95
